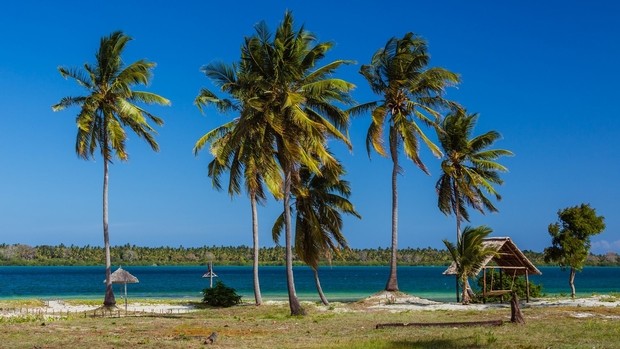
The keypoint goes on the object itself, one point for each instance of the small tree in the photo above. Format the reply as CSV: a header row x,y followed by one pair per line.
x,y
469,254
570,244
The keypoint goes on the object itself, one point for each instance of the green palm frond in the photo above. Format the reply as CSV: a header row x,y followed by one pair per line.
x,y
82,79
149,98
319,201
470,253
66,102
409,89
108,108
470,166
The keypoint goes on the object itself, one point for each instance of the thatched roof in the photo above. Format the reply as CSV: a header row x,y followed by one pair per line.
x,y
509,257
122,276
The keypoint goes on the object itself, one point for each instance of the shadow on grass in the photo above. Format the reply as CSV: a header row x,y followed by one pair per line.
x,y
434,344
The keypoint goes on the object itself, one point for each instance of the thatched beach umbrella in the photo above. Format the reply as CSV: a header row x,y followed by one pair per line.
x,y
122,276
210,274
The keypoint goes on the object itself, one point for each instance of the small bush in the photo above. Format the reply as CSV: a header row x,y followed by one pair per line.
x,y
220,296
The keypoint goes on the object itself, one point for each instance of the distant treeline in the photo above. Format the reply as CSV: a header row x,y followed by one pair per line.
x,y
20,254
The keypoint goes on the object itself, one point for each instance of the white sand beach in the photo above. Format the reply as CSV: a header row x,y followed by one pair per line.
x,y
393,302
404,302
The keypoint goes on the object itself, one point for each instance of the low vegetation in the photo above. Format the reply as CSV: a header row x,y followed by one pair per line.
x,y
340,326
220,296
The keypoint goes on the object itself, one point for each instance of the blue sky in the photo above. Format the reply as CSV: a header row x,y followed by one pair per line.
x,y
542,73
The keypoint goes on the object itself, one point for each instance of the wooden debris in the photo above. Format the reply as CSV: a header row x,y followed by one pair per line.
x,y
441,324
211,339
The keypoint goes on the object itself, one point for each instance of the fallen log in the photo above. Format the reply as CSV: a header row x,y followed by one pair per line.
x,y
441,324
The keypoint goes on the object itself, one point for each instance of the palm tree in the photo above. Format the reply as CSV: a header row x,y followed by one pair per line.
x,y
468,169
243,151
107,110
410,91
469,254
319,202
296,101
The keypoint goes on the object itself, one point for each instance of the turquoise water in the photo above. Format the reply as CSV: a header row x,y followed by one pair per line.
x,y
339,283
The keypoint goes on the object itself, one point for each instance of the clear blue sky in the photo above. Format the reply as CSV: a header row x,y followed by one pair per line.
x,y
542,73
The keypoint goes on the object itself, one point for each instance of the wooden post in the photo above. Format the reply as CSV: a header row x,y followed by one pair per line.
x,y
501,284
527,286
515,312
484,284
456,277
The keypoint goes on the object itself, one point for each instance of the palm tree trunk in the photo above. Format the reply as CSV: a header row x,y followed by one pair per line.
x,y
319,289
571,282
392,283
466,298
457,214
109,300
257,296
294,304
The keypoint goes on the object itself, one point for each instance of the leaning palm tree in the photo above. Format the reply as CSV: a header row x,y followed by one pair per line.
x,y
410,91
107,110
469,168
243,152
298,104
318,204
469,254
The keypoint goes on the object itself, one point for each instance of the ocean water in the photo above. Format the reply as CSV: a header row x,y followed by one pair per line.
x,y
341,283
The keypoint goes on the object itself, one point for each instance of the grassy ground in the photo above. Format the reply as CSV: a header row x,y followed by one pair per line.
x,y
342,326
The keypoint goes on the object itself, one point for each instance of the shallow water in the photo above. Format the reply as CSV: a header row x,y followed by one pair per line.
x,y
342,283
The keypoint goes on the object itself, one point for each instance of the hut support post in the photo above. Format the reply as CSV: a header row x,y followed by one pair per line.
x,y
125,298
484,285
527,286
501,284
211,275
456,277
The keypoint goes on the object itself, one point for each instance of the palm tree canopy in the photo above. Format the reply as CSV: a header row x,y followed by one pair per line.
x,y
239,146
469,253
469,168
111,104
410,91
296,99
319,203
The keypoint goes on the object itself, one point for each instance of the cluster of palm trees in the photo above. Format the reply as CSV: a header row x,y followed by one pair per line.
x,y
287,106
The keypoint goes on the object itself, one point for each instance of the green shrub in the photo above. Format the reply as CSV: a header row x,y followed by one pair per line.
x,y
220,296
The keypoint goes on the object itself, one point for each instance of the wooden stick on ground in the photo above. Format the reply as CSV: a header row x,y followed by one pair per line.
x,y
441,324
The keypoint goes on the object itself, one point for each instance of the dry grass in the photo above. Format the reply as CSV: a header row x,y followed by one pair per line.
x,y
342,326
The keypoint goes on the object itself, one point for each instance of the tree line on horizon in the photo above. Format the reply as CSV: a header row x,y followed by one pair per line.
x,y
287,108
132,255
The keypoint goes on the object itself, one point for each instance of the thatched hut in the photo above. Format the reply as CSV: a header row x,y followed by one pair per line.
x,y
509,260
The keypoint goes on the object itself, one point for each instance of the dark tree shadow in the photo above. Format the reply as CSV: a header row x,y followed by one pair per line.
x,y
461,343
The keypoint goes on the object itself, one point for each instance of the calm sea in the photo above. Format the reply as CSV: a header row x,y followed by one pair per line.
x,y
339,283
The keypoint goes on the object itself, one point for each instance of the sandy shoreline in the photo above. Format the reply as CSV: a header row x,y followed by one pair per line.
x,y
404,302
380,301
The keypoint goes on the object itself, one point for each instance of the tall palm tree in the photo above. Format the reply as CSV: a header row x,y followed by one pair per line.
x,y
410,91
318,204
469,254
241,150
469,168
297,101
107,110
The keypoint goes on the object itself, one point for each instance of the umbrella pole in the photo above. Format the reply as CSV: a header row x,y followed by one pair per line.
x,y
210,274
125,297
